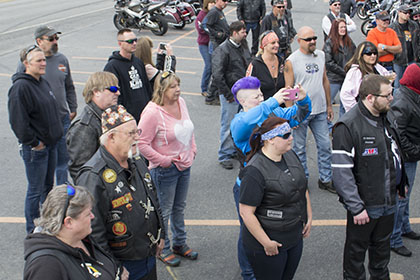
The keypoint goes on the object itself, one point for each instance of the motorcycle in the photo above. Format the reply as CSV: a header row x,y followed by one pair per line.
x,y
365,6
179,13
139,15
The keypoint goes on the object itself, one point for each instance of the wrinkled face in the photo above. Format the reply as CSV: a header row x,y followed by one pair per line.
x,y
404,15
383,100
81,225
382,24
127,42
49,44
172,93
250,98
342,28
335,7
279,9
125,137
35,63
107,97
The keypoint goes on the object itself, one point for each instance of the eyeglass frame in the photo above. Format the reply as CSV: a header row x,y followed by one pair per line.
x,y
51,38
129,41
130,133
310,39
112,89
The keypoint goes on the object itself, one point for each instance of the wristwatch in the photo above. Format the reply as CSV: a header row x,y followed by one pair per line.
x,y
383,47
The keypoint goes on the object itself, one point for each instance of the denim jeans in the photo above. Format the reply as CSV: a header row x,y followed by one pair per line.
x,y
255,27
319,127
172,189
61,171
140,268
399,70
334,89
228,112
39,167
246,269
205,78
401,221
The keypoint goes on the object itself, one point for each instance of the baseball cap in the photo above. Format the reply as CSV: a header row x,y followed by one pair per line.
x,y
404,8
45,30
114,116
383,15
333,1
277,2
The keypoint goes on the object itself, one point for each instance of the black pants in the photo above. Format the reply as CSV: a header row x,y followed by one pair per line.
x,y
373,236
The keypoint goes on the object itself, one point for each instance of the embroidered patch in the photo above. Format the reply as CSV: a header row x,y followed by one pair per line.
x,y
119,228
62,68
117,244
129,207
93,271
275,214
122,200
370,152
109,175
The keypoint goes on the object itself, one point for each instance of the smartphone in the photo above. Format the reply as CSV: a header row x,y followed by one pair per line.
x,y
293,93
162,46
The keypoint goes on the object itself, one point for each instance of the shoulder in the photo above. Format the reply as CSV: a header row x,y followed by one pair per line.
x,y
46,267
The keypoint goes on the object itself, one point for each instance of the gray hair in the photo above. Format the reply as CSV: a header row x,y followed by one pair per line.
x,y
103,139
52,210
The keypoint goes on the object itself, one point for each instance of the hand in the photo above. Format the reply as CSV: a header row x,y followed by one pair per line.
x,y
330,113
271,248
159,247
125,274
381,47
40,147
280,96
362,218
391,76
302,93
307,228
231,100
169,50
72,115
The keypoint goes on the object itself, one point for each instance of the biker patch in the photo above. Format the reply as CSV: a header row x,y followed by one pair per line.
x,y
119,228
114,215
275,214
109,175
62,68
119,186
122,200
370,152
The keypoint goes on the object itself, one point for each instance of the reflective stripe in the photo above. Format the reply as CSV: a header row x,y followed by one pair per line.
x,y
338,165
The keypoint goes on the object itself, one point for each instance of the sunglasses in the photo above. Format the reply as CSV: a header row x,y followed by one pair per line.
x,y
29,49
280,7
71,191
51,38
337,4
225,0
165,75
285,136
113,89
309,39
369,53
129,41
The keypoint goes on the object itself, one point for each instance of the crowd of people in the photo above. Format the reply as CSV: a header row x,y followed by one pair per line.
x,y
129,153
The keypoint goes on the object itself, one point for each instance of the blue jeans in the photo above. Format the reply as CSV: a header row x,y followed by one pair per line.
x,y
140,268
334,89
39,167
61,171
228,112
401,221
205,78
319,127
247,272
399,70
172,189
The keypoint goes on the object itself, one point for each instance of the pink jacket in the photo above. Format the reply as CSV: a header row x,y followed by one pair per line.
x,y
165,139
350,88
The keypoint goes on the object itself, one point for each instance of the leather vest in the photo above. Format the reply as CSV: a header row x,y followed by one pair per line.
x,y
284,202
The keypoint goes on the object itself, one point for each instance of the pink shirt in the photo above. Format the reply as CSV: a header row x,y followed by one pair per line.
x,y
165,139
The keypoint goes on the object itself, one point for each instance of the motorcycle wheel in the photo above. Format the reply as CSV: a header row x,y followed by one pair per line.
x,y
163,25
361,12
365,27
119,21
180,26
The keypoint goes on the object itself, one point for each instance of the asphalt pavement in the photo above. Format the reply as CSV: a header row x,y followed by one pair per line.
x,y
88,39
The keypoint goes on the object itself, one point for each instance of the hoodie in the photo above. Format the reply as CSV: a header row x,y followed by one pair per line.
x,y
135,90
78,265
33,111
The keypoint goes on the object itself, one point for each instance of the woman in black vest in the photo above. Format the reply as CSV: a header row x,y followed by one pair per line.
x,y
274,202
61,247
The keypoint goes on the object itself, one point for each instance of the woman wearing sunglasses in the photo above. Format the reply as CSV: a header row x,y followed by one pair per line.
x,y
274,202
363,62
167,141
61,246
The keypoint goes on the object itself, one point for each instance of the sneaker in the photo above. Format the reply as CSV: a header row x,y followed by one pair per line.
x,y
215,102
170,259
185,251
402,251
226,164
204,93
328,186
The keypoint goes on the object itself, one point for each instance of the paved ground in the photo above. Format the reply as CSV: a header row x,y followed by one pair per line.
x,y
87,40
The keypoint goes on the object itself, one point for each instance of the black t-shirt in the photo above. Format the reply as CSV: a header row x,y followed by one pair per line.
x,y
252,193
408,42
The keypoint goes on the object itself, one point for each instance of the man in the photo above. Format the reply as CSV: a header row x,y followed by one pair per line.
x,y
135,90
251,12
34,118
101,91
368,171
229,64
334,13
128,221
306,66
407,32
385,39
58,75
348,7
255,111
282,24
415,14
406,111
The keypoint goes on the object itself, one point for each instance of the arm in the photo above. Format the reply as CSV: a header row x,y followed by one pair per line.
x,y
330,63
351,26
326,25
289,78
70,93
326,84
265,24
219,64
389,49
263,9
297,113
308,225
350,88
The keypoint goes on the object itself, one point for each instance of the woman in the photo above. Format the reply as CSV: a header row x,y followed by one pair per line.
x,y
274,202
203,40
268,65
61,247
338,49
167,141
363,62
165,60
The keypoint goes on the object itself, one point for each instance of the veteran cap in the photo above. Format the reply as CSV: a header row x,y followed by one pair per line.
x,y
114,116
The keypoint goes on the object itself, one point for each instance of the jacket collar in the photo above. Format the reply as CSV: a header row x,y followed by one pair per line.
x,y
95,109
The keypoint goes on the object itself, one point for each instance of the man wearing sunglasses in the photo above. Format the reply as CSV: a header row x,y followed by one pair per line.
x,y
135,91
58,75
335,7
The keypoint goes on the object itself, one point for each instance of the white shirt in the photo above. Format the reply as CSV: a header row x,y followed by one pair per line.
x,y
326,24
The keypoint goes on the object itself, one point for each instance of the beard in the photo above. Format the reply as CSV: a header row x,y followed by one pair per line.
x,y
380,108
134,151
54,48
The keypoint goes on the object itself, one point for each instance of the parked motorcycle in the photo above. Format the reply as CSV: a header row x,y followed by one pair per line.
x,y
179,13
139,15
365,6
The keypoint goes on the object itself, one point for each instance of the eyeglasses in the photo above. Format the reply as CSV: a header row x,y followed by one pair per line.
x,y
71,191
113,89
309,39
165,75
225,0
131,133
285,136
388,96
129,41
369,53
51,38
280,7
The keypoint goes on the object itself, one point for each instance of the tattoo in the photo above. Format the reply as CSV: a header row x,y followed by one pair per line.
x,y
286,68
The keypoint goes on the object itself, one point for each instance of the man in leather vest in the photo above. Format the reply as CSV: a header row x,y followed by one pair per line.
x,y
128,220
334,13
368,169
101,91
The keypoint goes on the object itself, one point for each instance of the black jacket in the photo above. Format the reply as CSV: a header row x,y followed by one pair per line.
x,y
401,58
64,262
349,7
217,26
282,27
163,63
83,137
33,113
124,223
335,62
269,85
250,10
135,90
229,63
406,112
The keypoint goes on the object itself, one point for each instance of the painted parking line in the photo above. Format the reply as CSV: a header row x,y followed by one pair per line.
x,y
106,58
90,73
173,46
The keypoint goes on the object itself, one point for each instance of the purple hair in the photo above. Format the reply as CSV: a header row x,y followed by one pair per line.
x,y
245,83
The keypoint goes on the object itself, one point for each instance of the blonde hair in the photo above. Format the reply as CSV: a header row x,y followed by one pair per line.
x,y
98,82
144,50
162,85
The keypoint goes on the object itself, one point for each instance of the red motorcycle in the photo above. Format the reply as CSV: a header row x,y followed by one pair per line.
x,y
178,13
